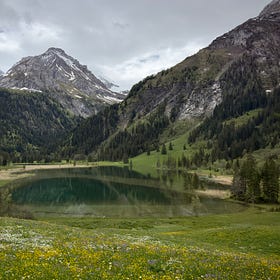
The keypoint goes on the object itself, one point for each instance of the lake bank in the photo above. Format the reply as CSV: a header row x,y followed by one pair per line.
x,y
23,171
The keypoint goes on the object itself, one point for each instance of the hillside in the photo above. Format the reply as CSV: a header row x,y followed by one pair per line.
x,y
239,67
31,126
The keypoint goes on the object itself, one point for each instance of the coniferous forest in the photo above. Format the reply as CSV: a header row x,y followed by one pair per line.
x,y
31,126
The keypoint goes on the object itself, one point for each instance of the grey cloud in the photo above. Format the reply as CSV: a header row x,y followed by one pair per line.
x,y
121,25
150,58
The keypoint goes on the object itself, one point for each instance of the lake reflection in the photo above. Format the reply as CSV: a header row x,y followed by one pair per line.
x,y
114,192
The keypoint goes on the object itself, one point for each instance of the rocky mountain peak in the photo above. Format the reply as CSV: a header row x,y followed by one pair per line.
x,y
59,55
64,78
271,10
55,50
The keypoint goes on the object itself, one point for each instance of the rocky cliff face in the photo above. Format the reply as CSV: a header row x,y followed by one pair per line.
x,y
64,79
195,86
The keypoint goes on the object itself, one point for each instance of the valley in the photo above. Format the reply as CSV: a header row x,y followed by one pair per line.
x,y
177,178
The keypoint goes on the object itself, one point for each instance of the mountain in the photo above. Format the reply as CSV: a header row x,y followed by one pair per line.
x,y
107,83
1,72
32,125
271,10
240,67
64,79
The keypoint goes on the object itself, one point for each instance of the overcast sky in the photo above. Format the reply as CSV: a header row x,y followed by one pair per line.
x,y
123,40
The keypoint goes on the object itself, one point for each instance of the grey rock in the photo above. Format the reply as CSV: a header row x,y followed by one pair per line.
x,y
272,9
195,95
63,78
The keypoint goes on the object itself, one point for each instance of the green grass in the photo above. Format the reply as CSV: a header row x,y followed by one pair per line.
x,y
4,182
238,246
262,154
178,134
146,164
242,120
252,231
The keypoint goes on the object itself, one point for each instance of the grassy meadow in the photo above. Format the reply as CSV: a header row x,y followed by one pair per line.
x,y
238,246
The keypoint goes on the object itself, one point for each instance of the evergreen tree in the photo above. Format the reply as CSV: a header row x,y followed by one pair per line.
x,y
270,181
163,149
250,179
125,159
238,186
157,148
195,181
130,165
170,148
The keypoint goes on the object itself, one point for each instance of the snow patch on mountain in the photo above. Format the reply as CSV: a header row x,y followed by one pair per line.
x,y
63,78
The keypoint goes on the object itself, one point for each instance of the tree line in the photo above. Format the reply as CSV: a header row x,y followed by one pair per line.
x,y
254,185
229,139
138,138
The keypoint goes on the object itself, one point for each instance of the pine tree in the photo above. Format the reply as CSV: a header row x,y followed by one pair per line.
x,y
125,159
270,181
250,177
195,181
238,185
130,165
157,148
170,148
163,149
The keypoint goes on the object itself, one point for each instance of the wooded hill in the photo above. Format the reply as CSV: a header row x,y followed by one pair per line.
x,y
31,126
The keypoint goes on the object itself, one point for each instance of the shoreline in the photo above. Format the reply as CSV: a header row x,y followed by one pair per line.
x,y
221,179
24,171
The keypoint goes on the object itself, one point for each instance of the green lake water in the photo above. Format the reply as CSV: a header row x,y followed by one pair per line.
x,y
115,192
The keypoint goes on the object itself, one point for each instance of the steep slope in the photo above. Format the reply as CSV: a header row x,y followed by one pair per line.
x,y
64,79
241,64
31,126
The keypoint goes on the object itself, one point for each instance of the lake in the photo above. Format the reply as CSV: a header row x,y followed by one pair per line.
x,y
116,192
